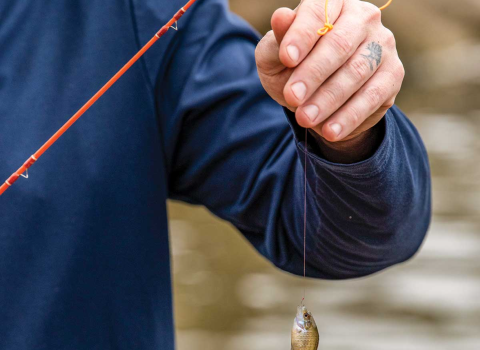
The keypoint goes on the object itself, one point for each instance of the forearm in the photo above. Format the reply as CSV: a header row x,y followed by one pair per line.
x,y
234,154
370,215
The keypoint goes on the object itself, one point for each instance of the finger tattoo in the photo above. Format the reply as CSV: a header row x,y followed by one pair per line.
x,y
375,55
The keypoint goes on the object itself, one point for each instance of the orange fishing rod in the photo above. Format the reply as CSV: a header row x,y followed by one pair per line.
x,y
24,168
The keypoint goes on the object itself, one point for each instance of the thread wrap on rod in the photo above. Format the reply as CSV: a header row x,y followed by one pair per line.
x,y
15,176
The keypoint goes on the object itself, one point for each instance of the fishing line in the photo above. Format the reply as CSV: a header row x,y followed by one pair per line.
x,y
24,168
305,215
327,27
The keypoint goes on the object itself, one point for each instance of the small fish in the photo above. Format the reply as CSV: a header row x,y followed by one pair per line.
x,y
304,331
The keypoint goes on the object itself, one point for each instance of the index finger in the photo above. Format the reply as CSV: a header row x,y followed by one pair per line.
x,y
302,34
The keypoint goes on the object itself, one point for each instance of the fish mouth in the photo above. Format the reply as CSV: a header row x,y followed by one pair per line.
x,y
303,313
301,309
304,319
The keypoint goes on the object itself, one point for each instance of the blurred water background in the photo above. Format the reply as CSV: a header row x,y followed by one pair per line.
x,y
229,298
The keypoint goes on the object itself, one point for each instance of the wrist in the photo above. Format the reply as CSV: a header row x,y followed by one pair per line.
x,y
353,150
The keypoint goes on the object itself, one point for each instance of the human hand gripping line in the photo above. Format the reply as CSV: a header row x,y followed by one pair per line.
x,y
340,84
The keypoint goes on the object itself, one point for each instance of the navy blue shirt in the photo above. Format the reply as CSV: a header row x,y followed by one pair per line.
x,y
84,252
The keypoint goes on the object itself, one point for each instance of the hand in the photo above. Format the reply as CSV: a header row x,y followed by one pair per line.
x,y
339,85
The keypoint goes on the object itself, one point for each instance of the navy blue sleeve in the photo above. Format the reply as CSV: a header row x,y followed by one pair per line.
x,y
231,149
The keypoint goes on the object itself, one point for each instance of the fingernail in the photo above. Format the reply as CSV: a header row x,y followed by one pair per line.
x,y
293,53
311,111
299,90
337,128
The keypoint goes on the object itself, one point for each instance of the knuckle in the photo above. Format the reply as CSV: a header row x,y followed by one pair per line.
x,y
341,43
259,56
318,11
353,116
333,95
269,36
264,50
397,72
389,104
374,96
390,40
400,71
359,69
371,12
308,36
277,13
262,44
318,72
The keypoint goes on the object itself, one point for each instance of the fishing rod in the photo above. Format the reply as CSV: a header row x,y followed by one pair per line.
x,y
24,168
34,158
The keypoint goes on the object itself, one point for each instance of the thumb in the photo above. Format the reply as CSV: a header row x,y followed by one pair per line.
x,y
282,19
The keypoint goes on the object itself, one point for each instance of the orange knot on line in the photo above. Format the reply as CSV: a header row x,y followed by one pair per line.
x,y
328,27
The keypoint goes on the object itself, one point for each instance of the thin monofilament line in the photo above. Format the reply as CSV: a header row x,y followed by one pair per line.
x,y
305,214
